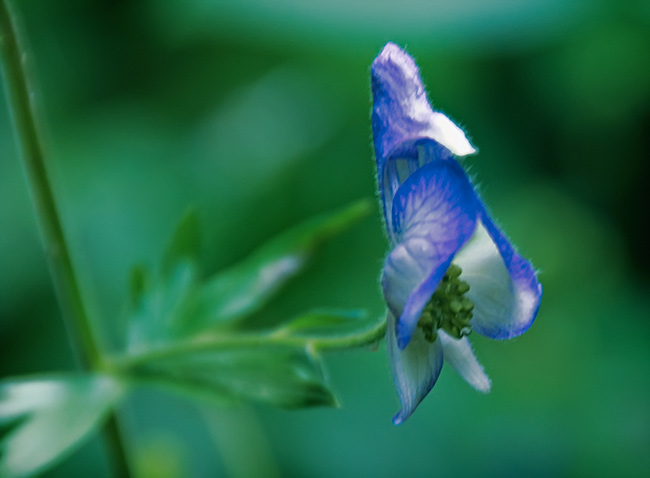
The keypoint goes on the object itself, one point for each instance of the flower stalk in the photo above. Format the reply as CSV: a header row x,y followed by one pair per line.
x,y
280,337
20,97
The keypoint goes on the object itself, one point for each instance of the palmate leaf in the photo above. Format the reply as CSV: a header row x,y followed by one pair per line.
x,y
49,416
177,338
174,303
281,375
158,302
280,367
243,289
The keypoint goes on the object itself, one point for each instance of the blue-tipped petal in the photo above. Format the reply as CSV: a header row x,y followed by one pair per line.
x,y
415,369
434,214
417,301
407,133
458,353
403,162
401,111
503,285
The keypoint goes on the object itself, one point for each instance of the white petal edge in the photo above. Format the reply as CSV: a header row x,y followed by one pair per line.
x,y
502,308
415,369
406,267
458,353
415,104
447,133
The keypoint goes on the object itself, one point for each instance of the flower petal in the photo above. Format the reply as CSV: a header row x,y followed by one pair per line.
x,y
458,353
404,161
407,132
503,285
434,214
415,369
401,110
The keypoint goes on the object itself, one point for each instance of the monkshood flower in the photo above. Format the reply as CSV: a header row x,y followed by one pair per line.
x,y
451,270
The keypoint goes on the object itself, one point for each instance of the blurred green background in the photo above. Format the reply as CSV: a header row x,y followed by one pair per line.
x,y
258,113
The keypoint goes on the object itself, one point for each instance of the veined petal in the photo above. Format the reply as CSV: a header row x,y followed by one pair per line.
x,y
407,133
503,285
458,353
434,214
403,162
415,369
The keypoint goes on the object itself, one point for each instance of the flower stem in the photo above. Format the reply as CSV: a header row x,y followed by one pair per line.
x,y
280,337
21,103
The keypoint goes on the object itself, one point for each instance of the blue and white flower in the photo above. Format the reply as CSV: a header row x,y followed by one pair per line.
x,y
451,270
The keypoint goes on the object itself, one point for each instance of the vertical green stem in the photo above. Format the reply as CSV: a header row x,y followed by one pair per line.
x,y
66,283
19,94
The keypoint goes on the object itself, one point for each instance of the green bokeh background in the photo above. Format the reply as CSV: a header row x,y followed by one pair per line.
x,y
258,113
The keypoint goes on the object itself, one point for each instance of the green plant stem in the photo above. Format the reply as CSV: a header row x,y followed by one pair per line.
x,y
65,281
20,98
281,337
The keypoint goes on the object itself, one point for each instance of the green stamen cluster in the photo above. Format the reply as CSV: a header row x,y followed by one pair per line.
x,y
448,308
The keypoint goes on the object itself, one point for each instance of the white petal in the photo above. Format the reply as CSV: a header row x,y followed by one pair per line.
x,y
415,369
445,132
458,353
406,267
503,307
